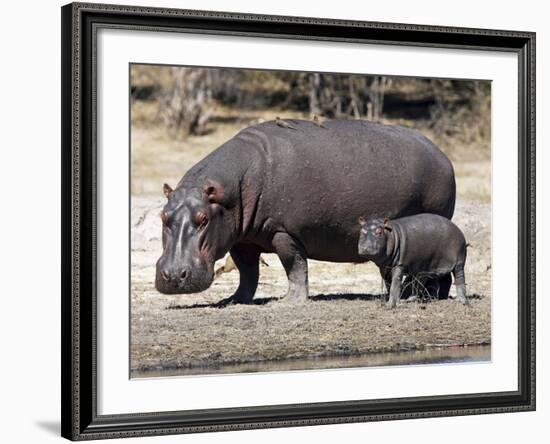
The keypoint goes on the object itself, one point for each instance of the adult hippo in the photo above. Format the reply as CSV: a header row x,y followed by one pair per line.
x,y
296,190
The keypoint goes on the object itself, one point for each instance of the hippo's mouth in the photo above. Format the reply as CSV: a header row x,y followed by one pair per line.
x,y
195,282
368,253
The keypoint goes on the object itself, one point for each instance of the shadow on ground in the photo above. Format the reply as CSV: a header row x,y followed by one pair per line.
x,y
347,297
317,298
264,301
220,304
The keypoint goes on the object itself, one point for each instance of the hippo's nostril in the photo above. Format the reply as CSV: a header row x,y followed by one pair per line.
x,y
165,275
183,274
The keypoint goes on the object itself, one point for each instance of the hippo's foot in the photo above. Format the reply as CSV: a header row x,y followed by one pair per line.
x,y
296,294
234,300
224,302
229,301
462,298
461,289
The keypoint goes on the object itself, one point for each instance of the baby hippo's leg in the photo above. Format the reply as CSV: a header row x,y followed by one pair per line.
x,y
460,282
395,290
385,273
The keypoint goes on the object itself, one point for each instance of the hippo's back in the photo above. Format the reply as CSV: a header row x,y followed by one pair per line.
x,y
318,181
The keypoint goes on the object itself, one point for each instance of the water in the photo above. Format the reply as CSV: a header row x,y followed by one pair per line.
x,y
415,357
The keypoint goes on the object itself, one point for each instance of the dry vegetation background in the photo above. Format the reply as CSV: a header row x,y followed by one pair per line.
x,y
178,115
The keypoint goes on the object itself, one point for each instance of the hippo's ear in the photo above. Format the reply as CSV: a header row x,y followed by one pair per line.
x,y
387,224
167,190
215,192
361,220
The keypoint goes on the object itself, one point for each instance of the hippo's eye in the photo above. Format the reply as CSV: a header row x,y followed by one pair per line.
x,y
201,220
164,218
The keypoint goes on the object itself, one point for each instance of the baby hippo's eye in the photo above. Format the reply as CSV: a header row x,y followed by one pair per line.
x,y
201,219
378,232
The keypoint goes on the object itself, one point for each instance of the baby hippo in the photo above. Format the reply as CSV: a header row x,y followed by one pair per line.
x,y
424,246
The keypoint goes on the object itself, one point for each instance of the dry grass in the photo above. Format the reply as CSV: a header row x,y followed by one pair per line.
x,y
344,324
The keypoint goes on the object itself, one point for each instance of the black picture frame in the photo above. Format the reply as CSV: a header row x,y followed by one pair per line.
x,y
79,170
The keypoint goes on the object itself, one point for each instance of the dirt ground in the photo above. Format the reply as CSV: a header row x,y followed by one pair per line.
x,y
344,317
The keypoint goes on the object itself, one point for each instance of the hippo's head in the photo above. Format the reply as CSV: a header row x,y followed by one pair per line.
x,y
373,237
196,231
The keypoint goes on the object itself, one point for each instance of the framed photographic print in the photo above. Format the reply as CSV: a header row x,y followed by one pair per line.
x,y
279,221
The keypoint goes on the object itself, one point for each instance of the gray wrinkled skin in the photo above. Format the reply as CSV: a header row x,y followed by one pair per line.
x,y
426,246
297,193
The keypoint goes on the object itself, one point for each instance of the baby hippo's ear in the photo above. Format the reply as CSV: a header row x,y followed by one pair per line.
x,y
387,224
361,220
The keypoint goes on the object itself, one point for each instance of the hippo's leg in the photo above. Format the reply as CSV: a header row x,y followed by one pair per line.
x,y
460,282
247,261
444,286
385,273
395,290
406,287
294,260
